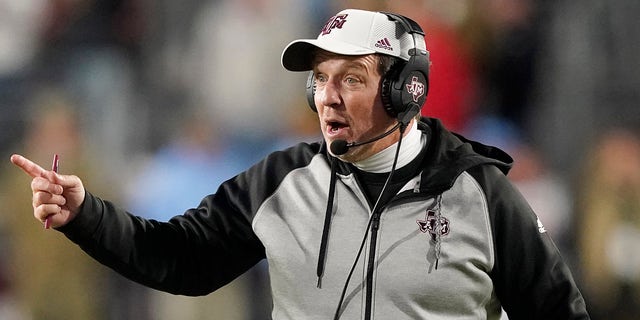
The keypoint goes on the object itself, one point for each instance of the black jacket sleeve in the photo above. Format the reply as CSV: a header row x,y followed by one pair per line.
x,y
192,254
531,279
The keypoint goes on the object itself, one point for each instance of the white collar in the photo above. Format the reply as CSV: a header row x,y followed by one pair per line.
x,y
382,161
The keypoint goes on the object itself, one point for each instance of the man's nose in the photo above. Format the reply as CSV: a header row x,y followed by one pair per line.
x,y
330,94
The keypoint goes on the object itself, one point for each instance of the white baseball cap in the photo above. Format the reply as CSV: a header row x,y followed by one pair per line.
x,y
351,32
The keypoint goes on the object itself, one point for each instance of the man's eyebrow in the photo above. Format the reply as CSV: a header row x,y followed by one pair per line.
x,y
356,64
352,63
352,66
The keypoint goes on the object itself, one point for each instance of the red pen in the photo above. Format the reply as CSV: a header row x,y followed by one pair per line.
x,y
54,168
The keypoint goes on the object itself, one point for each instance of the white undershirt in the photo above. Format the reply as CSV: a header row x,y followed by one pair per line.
x,y
382,161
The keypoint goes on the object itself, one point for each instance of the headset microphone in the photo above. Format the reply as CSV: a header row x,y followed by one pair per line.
x,y
340,147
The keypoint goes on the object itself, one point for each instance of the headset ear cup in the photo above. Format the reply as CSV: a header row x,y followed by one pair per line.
x,y
411,94
408,91
385,95
405,91
411,90
386,89
311,91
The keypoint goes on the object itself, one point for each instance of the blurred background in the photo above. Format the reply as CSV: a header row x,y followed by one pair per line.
x,y
154,103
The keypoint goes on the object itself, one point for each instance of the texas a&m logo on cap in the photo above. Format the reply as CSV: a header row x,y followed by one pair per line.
x,y
335,22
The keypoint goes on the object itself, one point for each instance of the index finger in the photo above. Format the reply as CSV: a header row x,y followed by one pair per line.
x,y
28,166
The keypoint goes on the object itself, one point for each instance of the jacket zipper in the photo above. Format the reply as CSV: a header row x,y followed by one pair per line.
x,y
375,225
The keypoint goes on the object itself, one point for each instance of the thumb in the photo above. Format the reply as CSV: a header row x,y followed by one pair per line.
x,y
72,190
66,181
72,187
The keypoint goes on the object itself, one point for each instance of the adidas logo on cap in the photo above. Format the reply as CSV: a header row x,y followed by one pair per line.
x,y
384,44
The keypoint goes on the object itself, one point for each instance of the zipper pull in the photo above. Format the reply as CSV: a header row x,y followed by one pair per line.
x,y
375,223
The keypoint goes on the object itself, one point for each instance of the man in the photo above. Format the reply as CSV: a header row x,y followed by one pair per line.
x,y
388,218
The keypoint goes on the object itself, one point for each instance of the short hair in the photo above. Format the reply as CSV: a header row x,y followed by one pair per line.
x,y
386,63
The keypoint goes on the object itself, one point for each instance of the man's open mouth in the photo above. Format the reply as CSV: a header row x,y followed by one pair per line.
x,y
335,126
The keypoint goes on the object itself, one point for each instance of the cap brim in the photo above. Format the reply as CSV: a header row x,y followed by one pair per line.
x,y
298,55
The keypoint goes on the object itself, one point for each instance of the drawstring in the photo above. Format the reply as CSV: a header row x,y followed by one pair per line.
x,y
327,223
438,228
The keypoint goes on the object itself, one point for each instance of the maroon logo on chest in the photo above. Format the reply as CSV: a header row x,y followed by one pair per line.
x,y
333,23
434,225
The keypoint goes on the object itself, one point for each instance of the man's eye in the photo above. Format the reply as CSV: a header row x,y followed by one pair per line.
x,y
352,80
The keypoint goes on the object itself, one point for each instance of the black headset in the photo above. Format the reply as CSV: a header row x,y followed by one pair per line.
x,y
404,87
